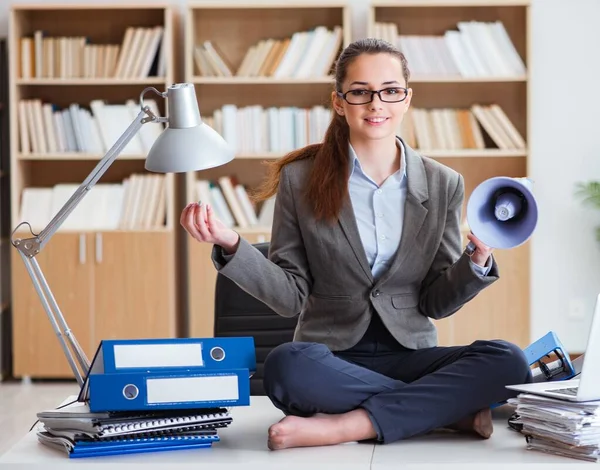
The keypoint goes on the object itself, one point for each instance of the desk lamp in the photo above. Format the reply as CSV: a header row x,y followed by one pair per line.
x,y
187,144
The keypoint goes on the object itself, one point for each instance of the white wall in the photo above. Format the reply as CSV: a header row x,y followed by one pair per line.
x,y
565,149
565,99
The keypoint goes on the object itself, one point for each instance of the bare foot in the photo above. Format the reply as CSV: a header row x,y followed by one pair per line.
x,y
480,423
321,430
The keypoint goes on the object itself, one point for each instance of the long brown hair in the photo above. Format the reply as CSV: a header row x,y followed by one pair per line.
x,y
327,186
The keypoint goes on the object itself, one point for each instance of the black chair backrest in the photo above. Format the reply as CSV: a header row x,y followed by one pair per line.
x,y
237,313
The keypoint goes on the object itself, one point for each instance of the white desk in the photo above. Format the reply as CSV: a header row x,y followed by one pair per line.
x,y
243,445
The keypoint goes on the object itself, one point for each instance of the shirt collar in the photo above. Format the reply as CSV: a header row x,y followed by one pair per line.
x,y
355,162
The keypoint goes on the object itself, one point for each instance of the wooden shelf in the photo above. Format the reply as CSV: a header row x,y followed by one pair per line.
x,y
450,3
461,153
74,156
266,4
519,78
252,21
474,153
119,231
506,303
91,81
260,81
108,283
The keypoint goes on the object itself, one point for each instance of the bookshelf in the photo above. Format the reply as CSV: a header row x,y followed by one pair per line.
x,y
502,310
111,280
278,86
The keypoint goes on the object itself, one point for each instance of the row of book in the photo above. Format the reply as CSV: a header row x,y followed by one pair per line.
x,y
138,203
305,54
255,129
232,205
138,56
45,128
454,129
559,427
475,49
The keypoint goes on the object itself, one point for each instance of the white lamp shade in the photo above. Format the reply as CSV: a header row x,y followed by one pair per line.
x,y
189,149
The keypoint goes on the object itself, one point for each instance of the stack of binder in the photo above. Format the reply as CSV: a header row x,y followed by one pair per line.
x,y
559,427
153,395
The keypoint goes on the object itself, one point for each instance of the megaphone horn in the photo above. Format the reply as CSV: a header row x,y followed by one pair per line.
x,y
502,212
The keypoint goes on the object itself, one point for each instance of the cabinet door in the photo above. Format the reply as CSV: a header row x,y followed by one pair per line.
x,y
202,282
68,268
134,288
500,311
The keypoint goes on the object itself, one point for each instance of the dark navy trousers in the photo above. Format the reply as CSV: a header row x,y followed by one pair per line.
x,y
406,392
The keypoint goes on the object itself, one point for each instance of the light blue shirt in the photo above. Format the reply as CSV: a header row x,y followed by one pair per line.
x,y
379,212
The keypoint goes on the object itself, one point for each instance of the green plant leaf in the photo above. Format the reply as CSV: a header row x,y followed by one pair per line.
x,y
589,193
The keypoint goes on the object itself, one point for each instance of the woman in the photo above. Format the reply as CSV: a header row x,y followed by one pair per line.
x,y
366,248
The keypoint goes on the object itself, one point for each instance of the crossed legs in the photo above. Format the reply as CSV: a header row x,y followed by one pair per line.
x,y
334,398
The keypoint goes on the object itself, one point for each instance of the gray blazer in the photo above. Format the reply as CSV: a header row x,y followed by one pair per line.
x,y
320,271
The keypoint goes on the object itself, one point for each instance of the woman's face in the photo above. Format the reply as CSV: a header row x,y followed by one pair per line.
x,y
378,119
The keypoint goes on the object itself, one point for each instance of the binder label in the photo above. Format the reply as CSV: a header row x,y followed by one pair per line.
x,y
158,355
192,389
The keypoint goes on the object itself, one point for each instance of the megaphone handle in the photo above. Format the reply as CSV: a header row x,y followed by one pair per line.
x,y
470,249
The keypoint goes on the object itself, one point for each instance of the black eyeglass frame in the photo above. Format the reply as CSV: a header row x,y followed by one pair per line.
x,y
373,93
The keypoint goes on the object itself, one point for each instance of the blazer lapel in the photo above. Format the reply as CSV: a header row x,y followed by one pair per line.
x,y
414,210
348,223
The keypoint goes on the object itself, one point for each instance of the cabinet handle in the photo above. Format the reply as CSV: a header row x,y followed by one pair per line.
x,y
82,248
98,248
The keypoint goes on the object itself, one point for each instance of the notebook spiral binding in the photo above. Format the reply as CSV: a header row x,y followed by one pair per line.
x,y
212,420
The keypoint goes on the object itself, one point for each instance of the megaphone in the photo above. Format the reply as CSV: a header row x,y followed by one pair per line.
x,y
502,212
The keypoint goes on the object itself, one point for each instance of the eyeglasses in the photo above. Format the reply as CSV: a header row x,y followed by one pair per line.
x,y
387,95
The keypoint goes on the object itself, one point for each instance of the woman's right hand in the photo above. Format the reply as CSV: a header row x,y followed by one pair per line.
x,y
200,222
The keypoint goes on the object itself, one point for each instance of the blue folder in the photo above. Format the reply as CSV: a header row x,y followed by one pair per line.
x,y
122,369
168,389
155,354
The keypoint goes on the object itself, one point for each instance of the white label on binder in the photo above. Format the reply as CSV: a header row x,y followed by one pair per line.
x,y
158,355
190,389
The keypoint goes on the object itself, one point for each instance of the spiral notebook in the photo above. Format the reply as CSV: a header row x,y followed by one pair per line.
x,y
77,417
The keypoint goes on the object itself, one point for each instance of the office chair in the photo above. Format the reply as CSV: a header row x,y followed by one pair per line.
x,y
237,313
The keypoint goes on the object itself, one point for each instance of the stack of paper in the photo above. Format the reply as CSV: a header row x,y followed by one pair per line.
x,y
81,433
560,427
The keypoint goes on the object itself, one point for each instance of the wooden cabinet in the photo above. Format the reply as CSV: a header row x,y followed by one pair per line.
x,y
133,291
67,265
107,285
202,281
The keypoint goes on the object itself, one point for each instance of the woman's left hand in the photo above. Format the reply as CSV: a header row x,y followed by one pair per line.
x,y
482,252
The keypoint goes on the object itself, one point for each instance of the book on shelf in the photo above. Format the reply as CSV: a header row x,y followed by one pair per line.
x,y
45,128
475,49
138,203
305,54
139,55
456,129
256,130
232,205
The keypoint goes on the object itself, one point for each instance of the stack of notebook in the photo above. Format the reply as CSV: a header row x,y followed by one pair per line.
x,y
81,433
559,427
